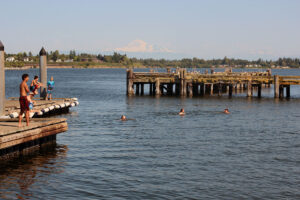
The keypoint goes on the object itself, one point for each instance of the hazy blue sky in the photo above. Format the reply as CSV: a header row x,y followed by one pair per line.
x,y
205,29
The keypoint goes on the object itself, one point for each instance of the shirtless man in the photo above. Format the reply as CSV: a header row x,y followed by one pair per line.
x,y
24,104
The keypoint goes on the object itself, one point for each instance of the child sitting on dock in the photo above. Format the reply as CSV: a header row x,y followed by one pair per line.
x,y
31,102
24,104
181,113
35,84
50,87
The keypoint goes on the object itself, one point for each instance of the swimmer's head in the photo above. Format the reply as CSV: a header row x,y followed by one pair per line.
x,y
182,110
123,117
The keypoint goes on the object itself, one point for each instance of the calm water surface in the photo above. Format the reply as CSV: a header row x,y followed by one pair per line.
x,y
253,153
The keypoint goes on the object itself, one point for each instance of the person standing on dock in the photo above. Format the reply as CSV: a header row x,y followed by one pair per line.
x,y
50,87
24,104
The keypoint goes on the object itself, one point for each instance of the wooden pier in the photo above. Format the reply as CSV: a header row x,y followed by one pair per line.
x,y
184,83
15,141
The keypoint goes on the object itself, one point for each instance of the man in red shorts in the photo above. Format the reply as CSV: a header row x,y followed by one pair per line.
x,y
24,104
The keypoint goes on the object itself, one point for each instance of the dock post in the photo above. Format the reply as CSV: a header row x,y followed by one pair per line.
x,y
137,89
249,89
181,81
202,89
130,82
157,87
142,88
177,89
288,91
43,73
281,90
230,90
183,84
195,89
150,89
190,86
219,89
170,89
276,86
211,89
259,90
2,79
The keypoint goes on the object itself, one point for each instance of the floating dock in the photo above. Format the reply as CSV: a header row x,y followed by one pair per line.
x,y
42,108
184,83
15,141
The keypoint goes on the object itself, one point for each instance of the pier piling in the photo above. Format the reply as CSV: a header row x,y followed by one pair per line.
x,y
157,88
43,73
2,79
276,86
130,90
249,89
288,91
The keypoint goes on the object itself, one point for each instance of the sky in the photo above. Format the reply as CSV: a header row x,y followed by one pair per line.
x,y
172,29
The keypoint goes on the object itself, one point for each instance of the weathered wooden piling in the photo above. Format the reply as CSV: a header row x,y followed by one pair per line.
x,y
183,83
157,87
276,86
249,89
142,88
43,72
281,91
151,86
219,89
130,90
288,91
230,90
137,88
2,79
190,89
259,90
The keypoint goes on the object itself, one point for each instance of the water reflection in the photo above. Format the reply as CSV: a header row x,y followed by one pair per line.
x,y
18,176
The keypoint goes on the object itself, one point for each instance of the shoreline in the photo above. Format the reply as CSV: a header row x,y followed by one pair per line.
x,y
124,67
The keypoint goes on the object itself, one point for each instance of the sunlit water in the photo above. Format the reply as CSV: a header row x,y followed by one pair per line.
x,y
253,153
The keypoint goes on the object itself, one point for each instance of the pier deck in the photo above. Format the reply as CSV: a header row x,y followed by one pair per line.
x,y
183,83
15,140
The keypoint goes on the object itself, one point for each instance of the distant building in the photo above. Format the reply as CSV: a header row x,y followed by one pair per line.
x,y
10,59
69,60
27,60
58,60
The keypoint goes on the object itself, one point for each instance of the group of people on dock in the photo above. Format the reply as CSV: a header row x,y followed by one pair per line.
x,y
181,113
27,95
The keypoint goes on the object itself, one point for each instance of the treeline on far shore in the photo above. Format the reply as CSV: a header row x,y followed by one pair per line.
x,y
85,60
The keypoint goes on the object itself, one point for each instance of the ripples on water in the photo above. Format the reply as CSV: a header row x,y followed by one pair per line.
x,y
253,153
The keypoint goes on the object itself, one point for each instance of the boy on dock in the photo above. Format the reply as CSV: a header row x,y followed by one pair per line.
x,y
50,87
24,104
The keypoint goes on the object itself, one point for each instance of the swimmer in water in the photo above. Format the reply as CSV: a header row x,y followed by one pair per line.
x,y
226,111
181,113
123,118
